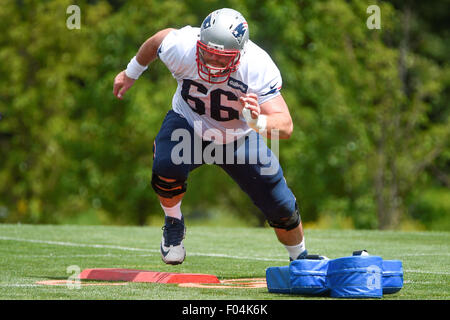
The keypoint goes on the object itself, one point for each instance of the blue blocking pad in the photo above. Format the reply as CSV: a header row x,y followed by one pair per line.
x,y
356,277
277,279
308,276
392,276
349,277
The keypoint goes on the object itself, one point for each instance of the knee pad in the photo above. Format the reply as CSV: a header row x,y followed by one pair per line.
x,y
168,189
287,223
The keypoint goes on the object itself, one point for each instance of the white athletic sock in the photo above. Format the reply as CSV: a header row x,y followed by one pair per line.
x,y
294,251
174,212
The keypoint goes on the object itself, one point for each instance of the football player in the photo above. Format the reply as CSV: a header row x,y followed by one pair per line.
x,y
228,97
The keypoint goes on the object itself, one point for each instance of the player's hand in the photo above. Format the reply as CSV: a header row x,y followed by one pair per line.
x,y
121,84
250,101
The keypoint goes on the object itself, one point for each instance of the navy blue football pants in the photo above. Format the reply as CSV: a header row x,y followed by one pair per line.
x,y
253,166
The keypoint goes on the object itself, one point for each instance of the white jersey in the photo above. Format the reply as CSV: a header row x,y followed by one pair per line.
x,y
213,110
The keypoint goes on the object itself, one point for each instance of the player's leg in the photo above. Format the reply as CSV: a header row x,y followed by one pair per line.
x,y
266,186
169,181
293,240
290,237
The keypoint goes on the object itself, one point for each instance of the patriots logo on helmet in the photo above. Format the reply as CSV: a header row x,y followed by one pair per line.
x,y
207,22
239,31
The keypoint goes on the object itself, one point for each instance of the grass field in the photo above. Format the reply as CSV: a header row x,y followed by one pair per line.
x,y
31,253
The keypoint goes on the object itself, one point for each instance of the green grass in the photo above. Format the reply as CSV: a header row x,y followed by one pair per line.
x,y
31,253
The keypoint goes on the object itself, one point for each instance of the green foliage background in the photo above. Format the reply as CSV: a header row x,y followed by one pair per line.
x,y
370,147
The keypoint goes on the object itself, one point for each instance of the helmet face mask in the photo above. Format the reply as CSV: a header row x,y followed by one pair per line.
x,y
215,65
223,36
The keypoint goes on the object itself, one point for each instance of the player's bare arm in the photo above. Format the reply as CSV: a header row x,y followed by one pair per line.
x,y
146,54
276,110
148,51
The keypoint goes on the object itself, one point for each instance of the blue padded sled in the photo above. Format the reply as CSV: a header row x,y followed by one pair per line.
x,y
277,279
392,276
356,277
308,276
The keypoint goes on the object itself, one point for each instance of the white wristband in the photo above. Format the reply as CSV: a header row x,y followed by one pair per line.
x,y
134,69
258,124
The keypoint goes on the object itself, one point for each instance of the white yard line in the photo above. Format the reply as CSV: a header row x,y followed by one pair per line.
x,y
71,244
19,285
428,272
218,255
103,246
420,282
51,255
425,254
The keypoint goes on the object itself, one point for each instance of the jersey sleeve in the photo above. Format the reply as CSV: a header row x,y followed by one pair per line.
x,y
175,46
266,81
